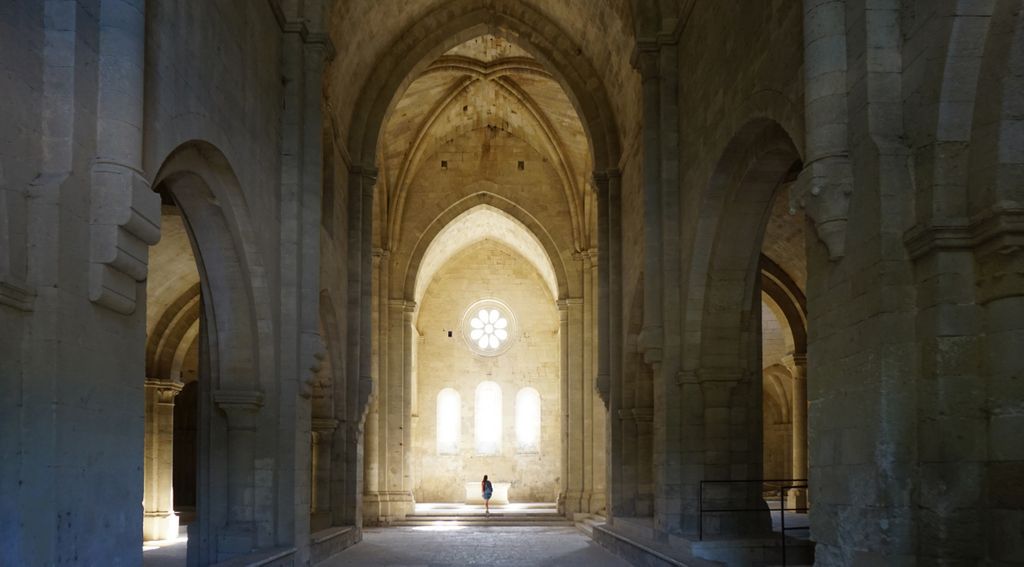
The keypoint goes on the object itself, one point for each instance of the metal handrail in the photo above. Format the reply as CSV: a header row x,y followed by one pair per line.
x,y
785,485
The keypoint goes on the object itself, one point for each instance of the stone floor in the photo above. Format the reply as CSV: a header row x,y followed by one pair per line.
x,y
168,553
443,546
458,540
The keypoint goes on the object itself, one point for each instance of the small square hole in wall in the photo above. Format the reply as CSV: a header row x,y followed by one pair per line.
x,y
444,164
465,108
521,165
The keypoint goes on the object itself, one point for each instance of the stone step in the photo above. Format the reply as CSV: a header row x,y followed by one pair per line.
x,y
484,522
586,523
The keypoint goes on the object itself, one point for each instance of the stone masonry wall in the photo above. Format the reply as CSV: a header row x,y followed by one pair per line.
x,y
487,270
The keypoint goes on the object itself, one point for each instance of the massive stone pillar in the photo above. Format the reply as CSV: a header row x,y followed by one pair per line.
x,y
125,213
159,520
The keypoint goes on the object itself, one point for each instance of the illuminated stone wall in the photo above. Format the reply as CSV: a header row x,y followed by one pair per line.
x,y
486,270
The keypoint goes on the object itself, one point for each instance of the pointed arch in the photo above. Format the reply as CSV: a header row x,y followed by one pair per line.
x,y
543,254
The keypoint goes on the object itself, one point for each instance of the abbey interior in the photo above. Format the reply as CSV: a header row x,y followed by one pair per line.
x,y
731,282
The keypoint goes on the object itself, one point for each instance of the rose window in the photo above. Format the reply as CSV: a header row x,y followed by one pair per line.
x,y
488,327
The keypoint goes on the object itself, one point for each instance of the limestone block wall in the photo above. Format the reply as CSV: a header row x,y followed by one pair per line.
x,y
487,270
232,100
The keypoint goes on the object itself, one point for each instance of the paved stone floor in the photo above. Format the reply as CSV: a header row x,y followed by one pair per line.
x,y
444,546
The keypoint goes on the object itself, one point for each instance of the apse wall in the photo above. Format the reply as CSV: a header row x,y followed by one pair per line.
x,y
487,270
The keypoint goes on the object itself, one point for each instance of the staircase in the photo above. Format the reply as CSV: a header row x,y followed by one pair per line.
x,y
516,514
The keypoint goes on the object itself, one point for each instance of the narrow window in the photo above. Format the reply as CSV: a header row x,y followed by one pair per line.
x,y
528,421
488,419
449,421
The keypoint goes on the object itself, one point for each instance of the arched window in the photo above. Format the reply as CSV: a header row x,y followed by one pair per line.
x,y
528,421
449,421
488,419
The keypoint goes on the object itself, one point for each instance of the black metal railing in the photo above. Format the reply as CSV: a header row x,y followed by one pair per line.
x,y
776,487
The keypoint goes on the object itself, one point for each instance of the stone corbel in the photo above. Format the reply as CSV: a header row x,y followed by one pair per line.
x,y
823,190
125,221
314,350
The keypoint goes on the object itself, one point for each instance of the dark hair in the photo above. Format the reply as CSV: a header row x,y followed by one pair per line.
x,y
485,477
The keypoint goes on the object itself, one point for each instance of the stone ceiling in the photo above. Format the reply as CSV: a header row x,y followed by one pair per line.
x,y
484,82
599,31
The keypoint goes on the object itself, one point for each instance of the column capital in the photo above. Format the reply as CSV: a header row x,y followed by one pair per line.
x,y
565,303
166,390
240,406
324,424
363,170
796,363
645,59
404,305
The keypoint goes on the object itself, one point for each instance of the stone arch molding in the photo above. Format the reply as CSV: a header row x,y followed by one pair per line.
x,y
736,205
460,21
232,278
477,217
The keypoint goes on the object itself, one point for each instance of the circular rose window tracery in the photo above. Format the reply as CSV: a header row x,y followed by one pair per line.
x,y
488,326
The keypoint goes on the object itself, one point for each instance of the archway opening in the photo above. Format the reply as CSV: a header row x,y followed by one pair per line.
x,y
483,161
203,383
748,356
173,306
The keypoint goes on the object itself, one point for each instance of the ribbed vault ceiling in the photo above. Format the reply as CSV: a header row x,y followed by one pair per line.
x,y
486,82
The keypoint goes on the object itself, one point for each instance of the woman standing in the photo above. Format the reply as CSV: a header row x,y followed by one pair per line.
x,y
487,489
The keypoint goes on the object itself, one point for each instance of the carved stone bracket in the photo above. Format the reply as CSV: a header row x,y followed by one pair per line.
x,y
125,221
314,350
823,190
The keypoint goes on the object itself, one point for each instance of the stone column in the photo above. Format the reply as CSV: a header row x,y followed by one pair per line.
x,y
574,434
395,410
242,410
647,63
159,520
563,373
323,441
797,365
